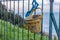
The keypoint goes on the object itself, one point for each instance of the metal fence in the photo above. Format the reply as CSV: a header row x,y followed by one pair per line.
x,y
13,26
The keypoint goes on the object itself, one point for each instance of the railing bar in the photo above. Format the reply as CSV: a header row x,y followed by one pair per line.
x,y
4,21
42,23
34,36
35,24
50,20
10,20
1,16
14,19
23,22
7,18
18,20
28,10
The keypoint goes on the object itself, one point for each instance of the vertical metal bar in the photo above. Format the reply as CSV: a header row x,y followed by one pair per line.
x,y
18,19
50,20
42,22
50,23
23,22
7,18
4,20
14,19
28,10
10,20
34,34
59,22
35,24
50,28
1,16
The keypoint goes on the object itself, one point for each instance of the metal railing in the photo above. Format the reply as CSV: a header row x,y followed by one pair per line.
x,y
12,24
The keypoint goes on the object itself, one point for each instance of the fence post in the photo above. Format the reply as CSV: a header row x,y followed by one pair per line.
x,y
50,20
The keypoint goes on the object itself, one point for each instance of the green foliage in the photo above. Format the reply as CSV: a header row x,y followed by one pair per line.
x,y
8,28
55,38
10,16
12,32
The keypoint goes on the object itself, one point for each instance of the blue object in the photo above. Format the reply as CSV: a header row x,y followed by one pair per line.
x,y
28,13
34,6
